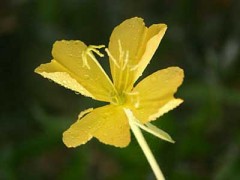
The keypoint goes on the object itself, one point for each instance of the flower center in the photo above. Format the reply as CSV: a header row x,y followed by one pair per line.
x,y
122,69
118,99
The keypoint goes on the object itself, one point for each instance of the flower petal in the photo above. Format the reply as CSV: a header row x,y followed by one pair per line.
x,y
62,76
131,47
74,69
108,124
153,96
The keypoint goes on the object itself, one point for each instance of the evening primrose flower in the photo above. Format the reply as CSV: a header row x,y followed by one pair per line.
x,y
130,49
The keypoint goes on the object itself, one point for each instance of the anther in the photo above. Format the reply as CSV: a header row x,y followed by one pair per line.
x,y
133,68
126,60
121,54
112,58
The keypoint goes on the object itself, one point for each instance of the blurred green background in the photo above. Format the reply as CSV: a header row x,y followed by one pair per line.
x,y
203,38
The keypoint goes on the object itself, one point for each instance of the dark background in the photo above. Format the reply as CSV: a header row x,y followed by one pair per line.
x,y
203,38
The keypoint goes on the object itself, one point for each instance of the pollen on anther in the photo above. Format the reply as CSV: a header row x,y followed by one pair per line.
x,y
85,62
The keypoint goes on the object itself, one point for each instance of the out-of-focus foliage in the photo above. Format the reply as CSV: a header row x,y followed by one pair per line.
x,y
203,38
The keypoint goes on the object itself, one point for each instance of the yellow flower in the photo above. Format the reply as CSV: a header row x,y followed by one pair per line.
x,y
130,49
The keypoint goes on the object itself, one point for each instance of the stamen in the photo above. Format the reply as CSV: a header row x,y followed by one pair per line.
x,y
132,93
94,49
133,68
84,58
114,99
121,54
96,46
88,51
90,54
126,60
112,58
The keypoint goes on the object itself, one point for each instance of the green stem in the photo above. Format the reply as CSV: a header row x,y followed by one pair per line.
x,y
143,144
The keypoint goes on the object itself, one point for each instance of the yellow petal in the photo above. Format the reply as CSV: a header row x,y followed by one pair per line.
x,y
131,47
153,96
62,76
154,36
108,124
73,68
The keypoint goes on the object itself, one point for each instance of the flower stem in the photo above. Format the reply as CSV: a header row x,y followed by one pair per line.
x,y
143,144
